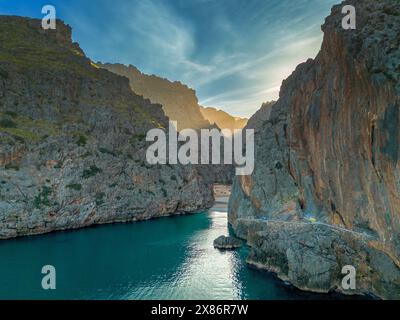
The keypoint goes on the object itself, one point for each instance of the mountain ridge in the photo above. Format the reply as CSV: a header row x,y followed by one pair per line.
x,y
223,119
179,102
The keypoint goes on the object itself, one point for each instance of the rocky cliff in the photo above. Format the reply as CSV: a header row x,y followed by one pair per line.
x,y
180,104
262,115
179,101
325,192
72,140
223,119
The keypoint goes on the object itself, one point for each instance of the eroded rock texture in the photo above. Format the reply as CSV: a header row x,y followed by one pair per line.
x,y
72,140
326,187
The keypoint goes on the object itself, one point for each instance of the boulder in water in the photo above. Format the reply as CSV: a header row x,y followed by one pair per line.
x,y
227,243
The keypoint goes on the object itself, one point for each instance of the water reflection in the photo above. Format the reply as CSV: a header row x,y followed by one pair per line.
x,y
170,258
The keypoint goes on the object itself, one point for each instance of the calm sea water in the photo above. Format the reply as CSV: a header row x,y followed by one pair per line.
x,y
169,258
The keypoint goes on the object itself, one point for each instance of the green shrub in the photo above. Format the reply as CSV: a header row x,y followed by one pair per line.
x,y
12,114
4,74
19,139
7,123
391,11
278,166
82,141
106,151
141,137
137,138
7,140
58,165
75,186
91,172
42,199
12,166
99,198
87,154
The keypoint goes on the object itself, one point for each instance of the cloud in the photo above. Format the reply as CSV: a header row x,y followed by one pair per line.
x,y
243,102
231,67
161,36
262,76
235,56
160,30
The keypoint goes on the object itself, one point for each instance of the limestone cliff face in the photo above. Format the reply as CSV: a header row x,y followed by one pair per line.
x,y
222,119
262,115
326,189
178,101
72,140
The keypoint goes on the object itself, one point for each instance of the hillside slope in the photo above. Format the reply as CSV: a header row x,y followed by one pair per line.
x,y
223,119
326,189
178,101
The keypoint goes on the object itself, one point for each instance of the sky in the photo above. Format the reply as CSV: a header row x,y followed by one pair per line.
x,y
234,53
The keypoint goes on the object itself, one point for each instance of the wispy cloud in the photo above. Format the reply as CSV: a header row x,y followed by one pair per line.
x,y
245,101
235,53
160,30
262,76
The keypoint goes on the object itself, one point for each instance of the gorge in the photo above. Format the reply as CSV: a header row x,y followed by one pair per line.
x,y
324,193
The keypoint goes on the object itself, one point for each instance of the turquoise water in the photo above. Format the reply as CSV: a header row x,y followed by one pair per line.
x,y
168,258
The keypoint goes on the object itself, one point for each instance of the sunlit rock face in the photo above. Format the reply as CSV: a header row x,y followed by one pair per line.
x,y
72,141
326,187
222,119
179,102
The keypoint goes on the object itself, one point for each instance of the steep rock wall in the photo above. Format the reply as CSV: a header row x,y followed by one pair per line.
x,y
72,141
326,189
